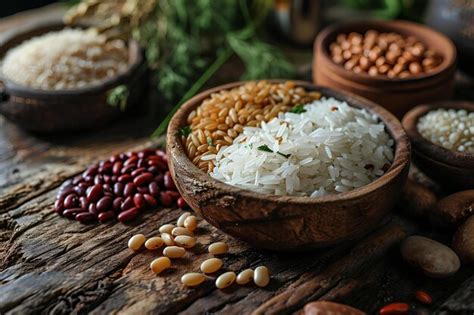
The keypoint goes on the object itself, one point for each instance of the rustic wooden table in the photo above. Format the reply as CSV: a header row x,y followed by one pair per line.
x,y
49,264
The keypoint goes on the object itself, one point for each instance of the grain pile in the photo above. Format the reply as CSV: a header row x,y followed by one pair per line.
x,y
452,129
67,59
222,117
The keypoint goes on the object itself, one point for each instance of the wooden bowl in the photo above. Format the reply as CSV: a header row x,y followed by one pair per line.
x,y
451,169
288,222
48,111
398,95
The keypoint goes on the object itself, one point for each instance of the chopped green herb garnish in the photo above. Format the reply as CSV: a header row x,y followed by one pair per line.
x,y
298,109
185,131
284,155
209,142
265,148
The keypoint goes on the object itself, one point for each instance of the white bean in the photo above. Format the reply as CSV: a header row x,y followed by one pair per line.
x,y
244,276
218,248
154,243
136,241
167,239
192,279
261,276
211,265
167,228
181,231
190,223
185,241
225,280
174,252
160,264
181,219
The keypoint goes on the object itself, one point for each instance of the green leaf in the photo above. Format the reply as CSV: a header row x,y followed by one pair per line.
x,y
185,131
284,155
298,109
118,97
265,148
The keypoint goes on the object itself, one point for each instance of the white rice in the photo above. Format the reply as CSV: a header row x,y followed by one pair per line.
x,y
331,148
66,59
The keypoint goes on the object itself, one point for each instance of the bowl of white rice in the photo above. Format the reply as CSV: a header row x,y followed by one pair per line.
x,y
442,138
55,78
317,174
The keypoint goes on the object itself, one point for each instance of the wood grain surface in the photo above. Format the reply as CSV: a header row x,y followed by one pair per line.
x,y
50,265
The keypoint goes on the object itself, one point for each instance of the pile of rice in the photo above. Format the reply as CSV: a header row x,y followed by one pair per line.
x,y
452,129
67,59
327,149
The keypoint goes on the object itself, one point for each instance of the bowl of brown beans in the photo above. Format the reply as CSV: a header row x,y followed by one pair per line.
x,y
271,221
397,64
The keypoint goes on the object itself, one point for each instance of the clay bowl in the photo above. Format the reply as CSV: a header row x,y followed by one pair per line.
x,y
453,170
398,95
52,111
285,222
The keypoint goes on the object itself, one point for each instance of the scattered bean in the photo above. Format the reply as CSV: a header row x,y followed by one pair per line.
x,y
136,242
423,297
167,228
454,209
160,264
174,252
218,248
430,257
261,276
181,231
395,308
211,265
84,217
182,218
154,243
167,239
185,241
192,279
330,308
128,215
244,276
181,203
190,223
225,279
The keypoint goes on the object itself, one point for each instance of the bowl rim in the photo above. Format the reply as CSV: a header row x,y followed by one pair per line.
x,y
14,88
323,37
431,149
400,162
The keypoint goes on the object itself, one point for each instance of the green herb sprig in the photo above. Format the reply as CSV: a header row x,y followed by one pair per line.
x,y
298,109
265,148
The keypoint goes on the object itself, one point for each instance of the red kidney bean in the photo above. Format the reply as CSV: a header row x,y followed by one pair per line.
x,y
181,203
395,308
166,199
127,203
160,180
423,297
94,193
91,171
106,168
71,213
70,201
58,206
169,183
83,202
141,163
104,203
125,178
132,160
104,216
118,189
93,208
64,193
117,203
128,215
89,179
138,200
145,153
113,178
128,169
173,194
80,191
159,164
129,190
77,180
150,200
137,172
114,158
107,188
144,178
143,190
98,179
153,189
117,168
85,217
153,169
83,185
108,179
